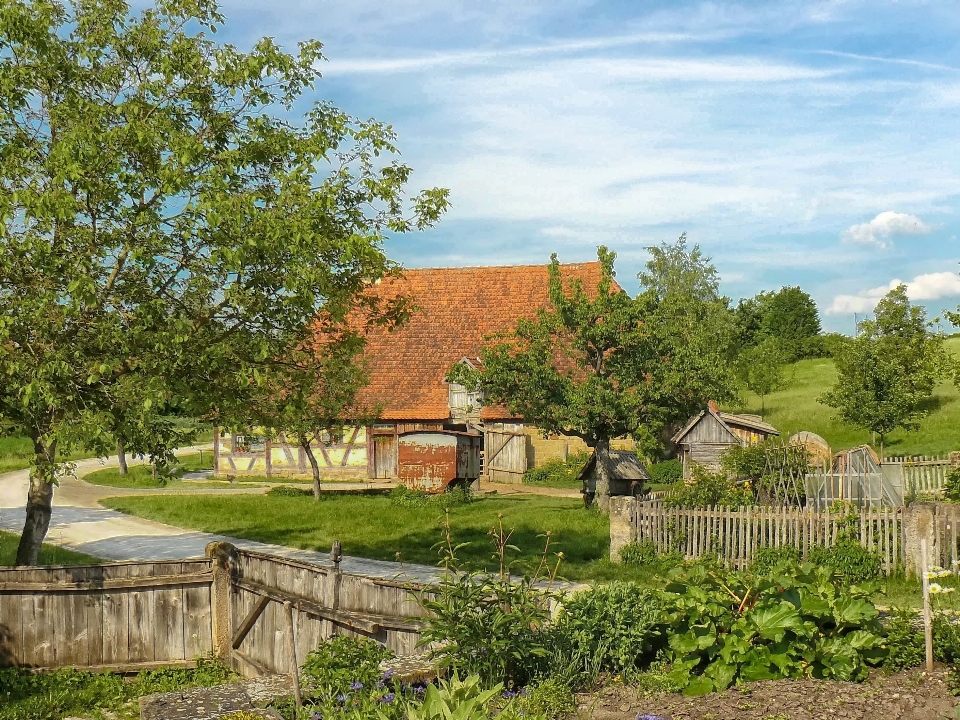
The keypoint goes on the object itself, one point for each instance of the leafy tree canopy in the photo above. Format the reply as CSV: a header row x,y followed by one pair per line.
x,y
762,369
890,369
789,316
169,226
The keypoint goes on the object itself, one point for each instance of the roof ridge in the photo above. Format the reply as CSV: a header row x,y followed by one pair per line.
x,y
499,267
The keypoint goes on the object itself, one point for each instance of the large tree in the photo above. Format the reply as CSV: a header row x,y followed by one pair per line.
x,y
788,316
600,364
167,216
886,373
762,369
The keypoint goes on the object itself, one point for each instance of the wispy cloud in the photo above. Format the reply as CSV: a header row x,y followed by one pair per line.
x,y
883,228
891,61
931,286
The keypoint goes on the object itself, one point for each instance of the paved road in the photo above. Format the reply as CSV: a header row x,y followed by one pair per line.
x,y
80,523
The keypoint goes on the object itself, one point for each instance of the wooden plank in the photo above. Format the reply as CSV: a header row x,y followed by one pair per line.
x,y
141,617
126,583
248,622
11,627
168,636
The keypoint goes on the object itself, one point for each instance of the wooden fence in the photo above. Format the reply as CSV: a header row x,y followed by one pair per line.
x,y
243,607
923,474
735,535
120,616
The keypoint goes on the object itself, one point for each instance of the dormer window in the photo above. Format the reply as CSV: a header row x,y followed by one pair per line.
x,y
464,403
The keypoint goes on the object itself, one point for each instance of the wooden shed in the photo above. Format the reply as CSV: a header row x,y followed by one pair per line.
x,y
432,461
625,471
707,435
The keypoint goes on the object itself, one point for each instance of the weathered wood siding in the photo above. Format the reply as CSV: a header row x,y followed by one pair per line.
x,y
705,443
254,454
325,604
504,452
123,614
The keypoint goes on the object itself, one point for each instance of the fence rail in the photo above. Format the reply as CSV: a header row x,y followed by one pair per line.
x,y
734,536
924,474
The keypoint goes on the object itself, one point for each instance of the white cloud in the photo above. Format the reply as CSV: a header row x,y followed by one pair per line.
x,y
885,227
930,286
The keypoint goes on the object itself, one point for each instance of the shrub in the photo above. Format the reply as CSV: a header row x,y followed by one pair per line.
x,y
710,489
849,560
666,472
644,553
951,485
341,663
557,471
904,641
549,699
747,462
612,628
797,621
768,558
289,491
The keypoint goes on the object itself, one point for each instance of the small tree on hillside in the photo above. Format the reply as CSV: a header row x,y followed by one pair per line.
x,y
885,374
599,364
762,370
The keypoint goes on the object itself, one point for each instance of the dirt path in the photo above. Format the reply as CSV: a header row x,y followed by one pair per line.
x,y
520,489
910,695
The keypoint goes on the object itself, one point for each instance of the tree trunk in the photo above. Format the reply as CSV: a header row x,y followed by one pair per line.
x,y
602,451
39,502
314,466
122,457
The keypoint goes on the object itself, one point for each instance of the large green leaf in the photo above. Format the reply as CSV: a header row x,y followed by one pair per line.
x,y
772,622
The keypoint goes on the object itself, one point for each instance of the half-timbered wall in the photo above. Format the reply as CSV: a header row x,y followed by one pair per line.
x,y
253,453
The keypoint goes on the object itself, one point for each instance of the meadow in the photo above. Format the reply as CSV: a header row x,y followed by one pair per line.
x,y
796,408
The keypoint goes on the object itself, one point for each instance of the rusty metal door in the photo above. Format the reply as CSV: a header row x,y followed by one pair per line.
x,y
384,456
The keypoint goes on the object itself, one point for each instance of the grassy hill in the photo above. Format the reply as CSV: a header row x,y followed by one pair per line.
x,y
796,408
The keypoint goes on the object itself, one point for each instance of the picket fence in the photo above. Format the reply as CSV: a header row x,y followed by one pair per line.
x,y
734,536
923,474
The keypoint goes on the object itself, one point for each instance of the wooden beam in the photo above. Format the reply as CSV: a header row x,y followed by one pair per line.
x,y
261,670
204,578
247,624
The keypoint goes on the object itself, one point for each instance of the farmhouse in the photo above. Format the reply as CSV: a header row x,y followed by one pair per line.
x,y
706,435
456,311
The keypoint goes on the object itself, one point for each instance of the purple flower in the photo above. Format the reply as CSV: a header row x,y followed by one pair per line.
x,y
388,674
525,692
507,694
649,717
388,698
356,686
342,698
317,716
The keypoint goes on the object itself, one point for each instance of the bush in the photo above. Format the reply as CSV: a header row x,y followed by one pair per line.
x,y
951,486
904,641
612,628
644,553
710,489
556,472
744,462
666,472
549,699
339,664
289,491
849,560
766,559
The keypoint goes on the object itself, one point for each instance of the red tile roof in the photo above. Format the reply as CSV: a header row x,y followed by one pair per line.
x,y
457,309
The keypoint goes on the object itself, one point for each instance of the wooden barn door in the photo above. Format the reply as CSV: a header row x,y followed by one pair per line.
x,y
505,453
384,456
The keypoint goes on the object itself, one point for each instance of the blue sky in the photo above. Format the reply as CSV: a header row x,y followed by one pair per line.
x,y
798,143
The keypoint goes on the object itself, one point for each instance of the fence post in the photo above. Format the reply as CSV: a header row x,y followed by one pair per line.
x,y
223,558
623,516
927,615
918,531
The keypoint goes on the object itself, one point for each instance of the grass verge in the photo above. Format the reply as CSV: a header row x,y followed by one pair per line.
x,y
49,554
141,476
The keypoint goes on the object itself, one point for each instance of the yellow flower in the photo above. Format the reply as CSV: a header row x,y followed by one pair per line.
x,y
944,573
948,590
935,589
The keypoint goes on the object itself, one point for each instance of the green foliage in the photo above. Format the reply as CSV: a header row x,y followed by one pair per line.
x,y
946,637
642,362
644,553
549,699
904,641
288,491
171,229
710,489
767,559
457,699
744,462
849,560
558,473
657,679
341,662
762,368
799,621
61,693
666,472
490,624
612,628
403,496
49,554
951,486
888,372
788,317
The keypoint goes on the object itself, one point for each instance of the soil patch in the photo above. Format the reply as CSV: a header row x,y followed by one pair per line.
x,y
911,695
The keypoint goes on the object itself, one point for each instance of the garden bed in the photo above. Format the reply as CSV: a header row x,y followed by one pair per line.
x,y
909,695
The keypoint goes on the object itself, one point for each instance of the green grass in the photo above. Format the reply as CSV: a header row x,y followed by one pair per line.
x,y
796,408
49,554
16,453
141,476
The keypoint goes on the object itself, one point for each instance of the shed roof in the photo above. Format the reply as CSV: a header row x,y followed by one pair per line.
x,y
456,308
728,420
620,464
